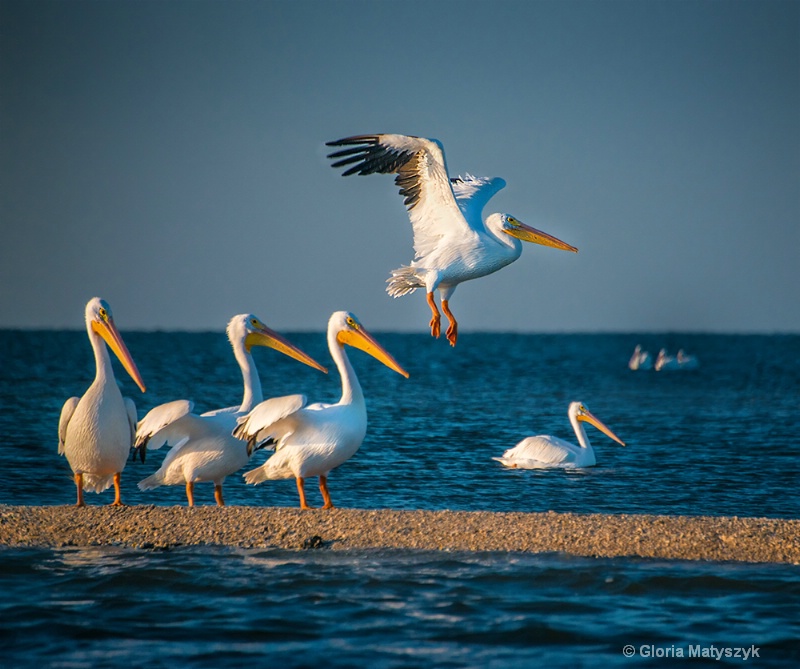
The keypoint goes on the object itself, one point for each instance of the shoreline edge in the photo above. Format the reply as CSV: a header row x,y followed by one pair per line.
x,y
708,538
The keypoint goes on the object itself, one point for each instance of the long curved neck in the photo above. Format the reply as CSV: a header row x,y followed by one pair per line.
x,y
580,432
351,388
252,383
102,361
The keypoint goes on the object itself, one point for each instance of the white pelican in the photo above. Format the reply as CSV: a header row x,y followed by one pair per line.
x,y
544,451
452,242
312,440
96,431
686,361
203,448
640,359
665,362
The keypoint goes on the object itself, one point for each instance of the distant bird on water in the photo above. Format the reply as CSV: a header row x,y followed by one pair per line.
x,y
640,359
665,362
452,241
203,448
95,432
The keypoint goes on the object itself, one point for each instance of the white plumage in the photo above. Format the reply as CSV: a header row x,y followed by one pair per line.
x,y
665,361
95,432
545,451
640,359
203,448
311,440
452,242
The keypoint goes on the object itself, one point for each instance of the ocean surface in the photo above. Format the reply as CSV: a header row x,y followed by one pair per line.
x,y
723,439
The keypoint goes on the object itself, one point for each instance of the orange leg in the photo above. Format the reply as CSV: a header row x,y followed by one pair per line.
x,y
302,491
326,496
436,319
117,495
79,486
218,495
452,331
190,492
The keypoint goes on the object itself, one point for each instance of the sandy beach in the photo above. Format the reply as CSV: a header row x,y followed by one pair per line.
x,y
153,527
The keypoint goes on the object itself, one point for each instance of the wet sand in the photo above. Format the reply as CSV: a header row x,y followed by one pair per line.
x,y
596,535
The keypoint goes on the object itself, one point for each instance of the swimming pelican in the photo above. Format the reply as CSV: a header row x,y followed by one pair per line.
x,y
544,451
95,432
665,362
686,361
311,440
640,359
452,242
203,448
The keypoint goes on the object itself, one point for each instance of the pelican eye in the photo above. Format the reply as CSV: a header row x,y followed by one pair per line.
x,y
254,322
352,323
103,313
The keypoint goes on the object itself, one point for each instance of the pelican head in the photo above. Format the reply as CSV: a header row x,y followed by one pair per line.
x,y
511,226
350,332
99,321
579,412
248,330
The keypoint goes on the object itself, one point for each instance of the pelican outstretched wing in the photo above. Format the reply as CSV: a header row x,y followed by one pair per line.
x,y
472,193
422,177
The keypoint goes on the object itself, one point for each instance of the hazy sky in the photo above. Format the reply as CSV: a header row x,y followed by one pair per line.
x,y
169,156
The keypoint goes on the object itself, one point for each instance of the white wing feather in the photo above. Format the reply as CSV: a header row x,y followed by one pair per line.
x,y
540,451
159,427
130,407
473,193
227,411
66,414
423,180
260,424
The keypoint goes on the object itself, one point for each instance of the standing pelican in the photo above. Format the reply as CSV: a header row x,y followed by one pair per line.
x,y
203,448
452,242
544,451
96,431
312,440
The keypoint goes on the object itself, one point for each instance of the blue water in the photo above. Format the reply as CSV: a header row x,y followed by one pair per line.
x,y
721,440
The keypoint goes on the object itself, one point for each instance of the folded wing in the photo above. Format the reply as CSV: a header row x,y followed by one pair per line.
x,y
169,423
261,424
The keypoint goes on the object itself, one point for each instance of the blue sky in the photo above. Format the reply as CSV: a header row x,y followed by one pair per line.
x,y
169,156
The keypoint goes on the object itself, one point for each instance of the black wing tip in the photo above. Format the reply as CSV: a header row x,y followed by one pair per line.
x,y
140,450
355,139
367,155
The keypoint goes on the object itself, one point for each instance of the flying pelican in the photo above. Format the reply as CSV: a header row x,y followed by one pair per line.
x,y
203,448
95,432
452,242
640,359
544,451
311,440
